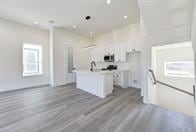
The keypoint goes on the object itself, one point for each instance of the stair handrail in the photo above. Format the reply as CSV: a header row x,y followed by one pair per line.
x,y
155,81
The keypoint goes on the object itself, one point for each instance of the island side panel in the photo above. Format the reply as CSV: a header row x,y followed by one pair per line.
x,y
108,84
92,83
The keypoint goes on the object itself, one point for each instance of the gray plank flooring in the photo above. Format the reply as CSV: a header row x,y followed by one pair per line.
x,y
67,109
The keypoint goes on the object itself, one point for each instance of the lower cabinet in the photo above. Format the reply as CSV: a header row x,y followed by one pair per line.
x,y
121,78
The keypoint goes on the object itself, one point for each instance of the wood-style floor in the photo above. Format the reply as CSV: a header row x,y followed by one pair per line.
x,y
67,109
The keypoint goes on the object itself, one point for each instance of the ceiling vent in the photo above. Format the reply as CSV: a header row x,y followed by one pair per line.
x,y
88,18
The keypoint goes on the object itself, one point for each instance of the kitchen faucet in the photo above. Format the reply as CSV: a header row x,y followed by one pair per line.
x,y
92,63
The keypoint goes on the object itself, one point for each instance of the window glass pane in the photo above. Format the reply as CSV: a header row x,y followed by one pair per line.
x,y
179,69
31,68
32,63
31,55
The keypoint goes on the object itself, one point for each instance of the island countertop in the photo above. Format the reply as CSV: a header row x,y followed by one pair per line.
x,y
94,72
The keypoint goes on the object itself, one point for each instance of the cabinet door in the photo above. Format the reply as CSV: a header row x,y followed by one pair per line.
x,y
122,79
123,56
97,55
105,50
111,49
117,80
137,45
120,53
129,46
117,53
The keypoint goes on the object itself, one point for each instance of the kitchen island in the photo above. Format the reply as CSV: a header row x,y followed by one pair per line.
x,y
99,83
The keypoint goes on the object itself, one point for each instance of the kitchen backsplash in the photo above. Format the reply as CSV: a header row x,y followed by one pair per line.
x,y
121,65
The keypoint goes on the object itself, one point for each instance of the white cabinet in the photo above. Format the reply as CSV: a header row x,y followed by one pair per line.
x,y
120,53
130,46
133,45
137,45
123,53
97,55
121,78
116,53
109,50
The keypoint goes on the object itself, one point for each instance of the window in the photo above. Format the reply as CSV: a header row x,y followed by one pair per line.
x,y
179,69
32,60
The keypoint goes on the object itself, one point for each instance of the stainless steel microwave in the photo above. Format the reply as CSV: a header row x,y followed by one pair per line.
x,y
109,58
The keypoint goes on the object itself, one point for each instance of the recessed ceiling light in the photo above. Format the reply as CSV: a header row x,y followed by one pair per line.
x,y
74,26
125,17
91,32
108,1
36,23
51,21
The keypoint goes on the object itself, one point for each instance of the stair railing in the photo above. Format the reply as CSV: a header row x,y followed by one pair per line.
x,y
155,81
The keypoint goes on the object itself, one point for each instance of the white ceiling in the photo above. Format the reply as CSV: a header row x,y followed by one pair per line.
x,y
67,13
167,20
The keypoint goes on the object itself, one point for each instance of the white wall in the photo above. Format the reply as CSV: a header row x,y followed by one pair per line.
x,y
119,35
13,35
62,39
168,97
163,22
193,34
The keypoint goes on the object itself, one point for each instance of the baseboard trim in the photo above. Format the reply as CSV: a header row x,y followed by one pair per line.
x,y
65,85
30,87
146,101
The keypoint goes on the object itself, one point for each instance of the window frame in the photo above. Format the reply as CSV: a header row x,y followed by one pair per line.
x,y
177,75
33,47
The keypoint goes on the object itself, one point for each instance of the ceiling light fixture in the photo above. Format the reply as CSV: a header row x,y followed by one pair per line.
x,y
108,1
74,26
125,17
91,32
36,23
89,47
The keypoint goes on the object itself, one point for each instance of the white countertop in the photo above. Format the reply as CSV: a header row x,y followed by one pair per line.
x,y
94,72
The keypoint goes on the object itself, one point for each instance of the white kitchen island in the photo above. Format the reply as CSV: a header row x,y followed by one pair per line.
x,y
99,83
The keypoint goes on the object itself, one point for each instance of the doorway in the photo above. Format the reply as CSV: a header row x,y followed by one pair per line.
x,y
173,66
70,76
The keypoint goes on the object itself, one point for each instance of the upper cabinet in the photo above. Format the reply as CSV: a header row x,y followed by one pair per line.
x,y
97,55
109,50
119,50
133,45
